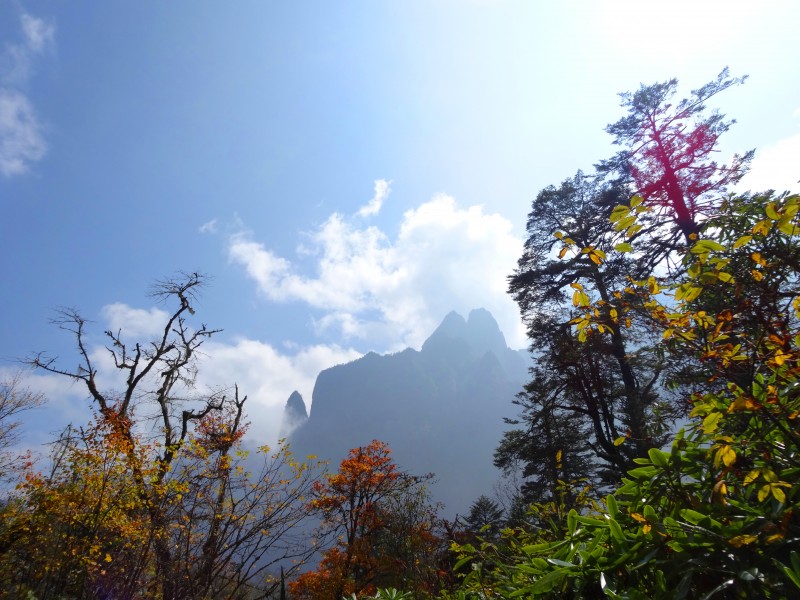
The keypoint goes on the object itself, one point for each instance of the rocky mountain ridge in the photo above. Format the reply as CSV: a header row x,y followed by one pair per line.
x,y
440,408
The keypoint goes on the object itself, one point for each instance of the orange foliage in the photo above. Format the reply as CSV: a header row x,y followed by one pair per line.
x,y
366,504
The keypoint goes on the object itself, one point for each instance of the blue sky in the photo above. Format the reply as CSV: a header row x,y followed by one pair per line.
x,y
346,172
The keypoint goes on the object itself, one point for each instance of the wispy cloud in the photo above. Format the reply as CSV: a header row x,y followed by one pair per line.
x,y
373,207
208,227
392,292
22,141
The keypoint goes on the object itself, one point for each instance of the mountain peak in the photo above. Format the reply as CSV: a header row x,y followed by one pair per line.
x,y
484,332
294,414
480,332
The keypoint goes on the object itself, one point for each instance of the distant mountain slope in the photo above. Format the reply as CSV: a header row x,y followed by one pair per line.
x,y
440,409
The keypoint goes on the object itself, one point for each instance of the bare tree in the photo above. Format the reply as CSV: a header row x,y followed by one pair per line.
x,y
210,522
15,398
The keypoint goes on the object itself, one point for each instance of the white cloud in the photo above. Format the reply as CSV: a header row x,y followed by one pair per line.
x,y
21,139
775,167
393,293
373,207
265,374
134,322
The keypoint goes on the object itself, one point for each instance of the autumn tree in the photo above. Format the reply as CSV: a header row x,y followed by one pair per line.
x,y
358,505
154,498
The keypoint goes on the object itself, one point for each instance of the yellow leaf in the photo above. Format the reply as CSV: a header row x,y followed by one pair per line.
x,y
726,277
636,201
580,299
721,488
637,517
108,557
762,227
595,259
742,540
771,211
778,494
742,241
620,440
743,403
763,493
563,252
757,275
752,476
688,292
725,454
780,357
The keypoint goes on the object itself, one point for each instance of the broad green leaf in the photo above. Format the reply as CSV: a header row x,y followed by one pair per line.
x,y
616,531
624,223
706,246
618,212
613,509
787,227
623,247
711,422
659,458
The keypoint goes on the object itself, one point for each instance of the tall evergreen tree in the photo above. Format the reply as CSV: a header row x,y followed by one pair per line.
x,y
585,398
582,397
